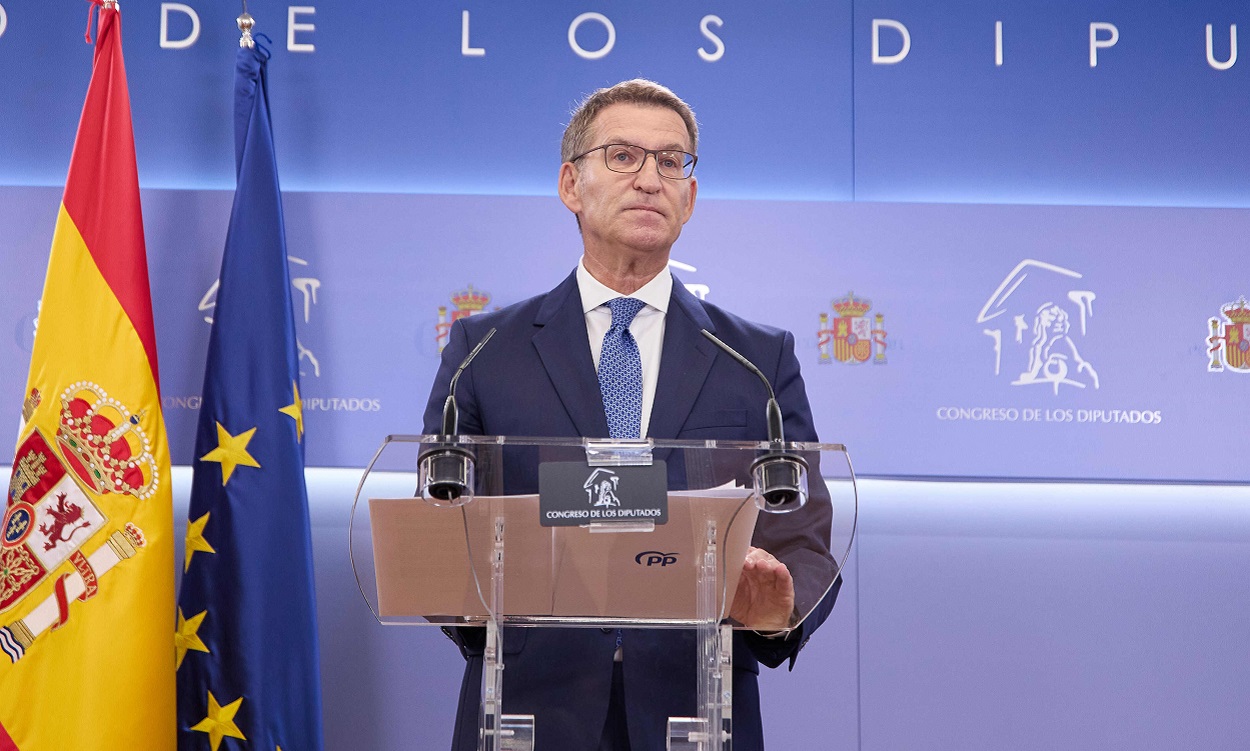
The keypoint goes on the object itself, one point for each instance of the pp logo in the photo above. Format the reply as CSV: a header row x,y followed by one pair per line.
x,y
655,558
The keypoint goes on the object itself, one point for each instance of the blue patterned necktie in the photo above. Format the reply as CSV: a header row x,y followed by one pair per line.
x,y
620,371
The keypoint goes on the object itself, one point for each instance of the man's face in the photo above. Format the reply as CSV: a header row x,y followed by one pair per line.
x,y
625,214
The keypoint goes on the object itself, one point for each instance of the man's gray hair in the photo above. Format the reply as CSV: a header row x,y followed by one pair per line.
x,y
636,91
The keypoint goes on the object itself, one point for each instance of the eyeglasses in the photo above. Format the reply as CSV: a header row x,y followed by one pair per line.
x,y
623,157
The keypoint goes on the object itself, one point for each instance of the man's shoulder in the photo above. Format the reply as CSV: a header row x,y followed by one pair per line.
x,y
523,313
729,324
509,315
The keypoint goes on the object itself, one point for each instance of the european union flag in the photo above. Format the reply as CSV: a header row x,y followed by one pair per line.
x,y
247,637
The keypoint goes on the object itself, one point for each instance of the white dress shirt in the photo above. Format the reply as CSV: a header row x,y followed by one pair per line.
x,y
647,327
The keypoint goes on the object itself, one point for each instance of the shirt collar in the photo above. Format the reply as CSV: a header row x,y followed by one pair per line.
x,y
655,293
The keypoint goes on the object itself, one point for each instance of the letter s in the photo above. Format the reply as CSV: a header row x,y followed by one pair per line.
x,y
711,57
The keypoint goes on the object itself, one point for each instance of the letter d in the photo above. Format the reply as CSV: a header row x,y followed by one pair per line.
x,y
179,44
877,57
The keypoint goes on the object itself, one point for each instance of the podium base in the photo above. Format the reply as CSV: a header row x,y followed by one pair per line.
x,y
516,733
690,734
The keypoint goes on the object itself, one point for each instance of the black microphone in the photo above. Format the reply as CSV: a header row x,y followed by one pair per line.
x,y
451,413
780,476
447,469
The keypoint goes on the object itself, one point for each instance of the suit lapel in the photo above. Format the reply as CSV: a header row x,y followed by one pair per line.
x,y
562,345
685,362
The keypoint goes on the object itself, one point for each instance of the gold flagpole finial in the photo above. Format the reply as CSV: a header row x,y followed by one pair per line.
x,y
246,22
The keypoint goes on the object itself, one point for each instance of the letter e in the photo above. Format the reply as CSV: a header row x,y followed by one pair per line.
x,y
292,27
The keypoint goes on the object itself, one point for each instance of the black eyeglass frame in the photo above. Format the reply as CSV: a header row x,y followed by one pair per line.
x,y
694,159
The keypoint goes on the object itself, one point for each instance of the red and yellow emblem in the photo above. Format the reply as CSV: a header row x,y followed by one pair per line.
x,y
851,337
51,513
1229,339
467,302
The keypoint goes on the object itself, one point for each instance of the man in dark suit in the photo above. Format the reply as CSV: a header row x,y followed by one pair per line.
x,y
559,365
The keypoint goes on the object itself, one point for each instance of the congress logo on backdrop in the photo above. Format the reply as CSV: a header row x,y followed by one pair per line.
x,y
1230,339
307,286
851,337
1037,320
467,302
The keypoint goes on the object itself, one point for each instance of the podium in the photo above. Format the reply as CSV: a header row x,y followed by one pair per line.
x,y
473,534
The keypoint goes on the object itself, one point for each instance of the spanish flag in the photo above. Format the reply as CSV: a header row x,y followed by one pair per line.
x,y
86,554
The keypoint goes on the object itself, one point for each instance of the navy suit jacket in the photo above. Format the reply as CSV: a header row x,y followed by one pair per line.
x,y
536,377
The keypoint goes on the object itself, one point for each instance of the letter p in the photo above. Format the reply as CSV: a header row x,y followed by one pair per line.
x,y
1096,43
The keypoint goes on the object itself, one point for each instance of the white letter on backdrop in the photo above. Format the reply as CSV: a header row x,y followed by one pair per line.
x,y
877,57
1096,44
711,57
465,49
607,24
179,44
292,27
1230,62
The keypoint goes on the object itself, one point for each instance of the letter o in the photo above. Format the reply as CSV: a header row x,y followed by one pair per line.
x,y
587,54
4,20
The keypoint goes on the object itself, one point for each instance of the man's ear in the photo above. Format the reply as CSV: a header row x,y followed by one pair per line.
x,y
567,187
694,192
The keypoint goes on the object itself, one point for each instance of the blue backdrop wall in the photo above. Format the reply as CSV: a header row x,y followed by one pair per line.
x,y
937,198
895,182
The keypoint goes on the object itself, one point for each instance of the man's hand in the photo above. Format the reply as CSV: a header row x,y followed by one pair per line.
x,y
765,597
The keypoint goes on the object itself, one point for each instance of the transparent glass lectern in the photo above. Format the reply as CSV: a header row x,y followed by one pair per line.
x,y
483,532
